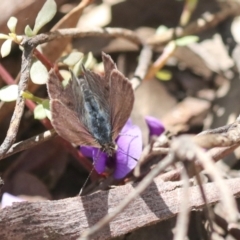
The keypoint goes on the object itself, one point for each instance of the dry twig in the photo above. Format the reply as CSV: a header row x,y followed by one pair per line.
x,y
31,142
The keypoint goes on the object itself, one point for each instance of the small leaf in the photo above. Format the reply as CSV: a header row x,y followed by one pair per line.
x,y
46,107
38,73
164,75
66,76
28,31
9,93
45,15
161,29
77,69
42,110
186,40
39,112
12,23
89,61
72,58
30,96
4,36
6,48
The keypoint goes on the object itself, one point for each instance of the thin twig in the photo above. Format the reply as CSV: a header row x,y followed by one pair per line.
x,y
79,33
168,51
183,216
18,111
31,142
208,210
142,68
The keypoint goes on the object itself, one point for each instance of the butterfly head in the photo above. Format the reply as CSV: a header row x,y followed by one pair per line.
x,y
109,148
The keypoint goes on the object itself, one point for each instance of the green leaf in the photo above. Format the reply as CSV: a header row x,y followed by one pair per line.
x,y
28,31
42,111
161,29
12,23
66,76
38,73
89,61
39,112
45,15
72,58
6,48
4,36
186,40
164,75
77,69
9,93
28,95
46,106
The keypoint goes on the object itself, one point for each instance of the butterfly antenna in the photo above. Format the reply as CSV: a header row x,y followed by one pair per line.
x,y
85,183
127,154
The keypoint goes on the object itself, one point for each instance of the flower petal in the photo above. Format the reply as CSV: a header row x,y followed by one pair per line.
x,y
99,160
129,150
87,151
8,200
155,126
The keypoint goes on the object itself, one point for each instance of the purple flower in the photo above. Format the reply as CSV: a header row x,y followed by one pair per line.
x,y
129,148
155,126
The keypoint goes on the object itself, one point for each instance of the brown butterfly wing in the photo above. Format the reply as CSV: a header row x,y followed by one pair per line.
x,y
109,66
69,95
121,101
98,88
64,104
68,126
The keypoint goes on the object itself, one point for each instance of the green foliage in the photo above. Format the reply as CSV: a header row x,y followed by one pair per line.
x,y
186,40
28,31
66,75
72,58
9,93
4,36
88,61
161,29
42,110
12,23
38,73
6,47
45,15
30,96
164,75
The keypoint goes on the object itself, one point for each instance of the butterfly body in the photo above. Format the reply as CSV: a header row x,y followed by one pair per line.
x,y
91,110
97,119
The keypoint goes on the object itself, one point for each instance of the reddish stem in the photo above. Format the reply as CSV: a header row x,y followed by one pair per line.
x,y
47,63
7,78
43,59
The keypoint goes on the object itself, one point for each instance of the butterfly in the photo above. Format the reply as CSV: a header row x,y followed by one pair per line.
x,y
91,110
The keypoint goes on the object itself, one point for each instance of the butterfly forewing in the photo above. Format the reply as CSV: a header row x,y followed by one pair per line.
x,y
65,118
69,95
121,101
109,66
98,88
